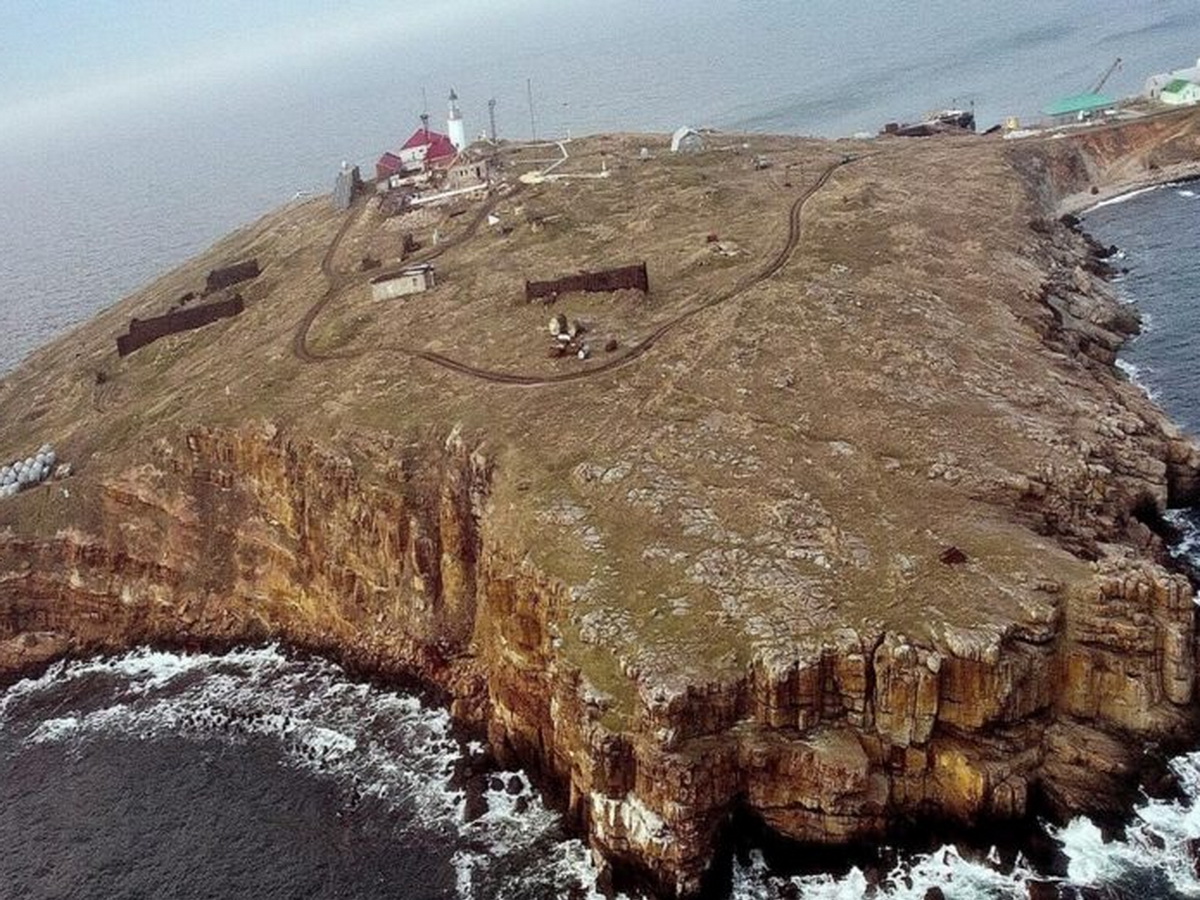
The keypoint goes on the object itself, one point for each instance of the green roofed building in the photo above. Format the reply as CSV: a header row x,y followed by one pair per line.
x,y
1079,104
1180,92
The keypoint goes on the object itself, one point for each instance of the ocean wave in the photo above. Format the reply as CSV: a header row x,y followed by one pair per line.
x,y
404,755
1153,857
911,879
378,746
517,832
1156,847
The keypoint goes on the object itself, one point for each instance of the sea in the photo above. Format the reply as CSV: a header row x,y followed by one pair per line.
x,y
261,773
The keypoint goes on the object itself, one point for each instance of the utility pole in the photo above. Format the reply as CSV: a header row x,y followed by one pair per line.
x,y
532,120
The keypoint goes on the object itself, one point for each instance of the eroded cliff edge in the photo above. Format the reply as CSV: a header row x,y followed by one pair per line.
x,y
717,578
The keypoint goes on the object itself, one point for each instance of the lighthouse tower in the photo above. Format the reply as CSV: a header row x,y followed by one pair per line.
x,y
454,124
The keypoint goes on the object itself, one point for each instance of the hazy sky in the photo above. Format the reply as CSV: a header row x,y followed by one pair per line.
x,y
757,64
74,56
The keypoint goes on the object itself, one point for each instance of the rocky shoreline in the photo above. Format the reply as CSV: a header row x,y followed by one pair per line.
x,y
837,680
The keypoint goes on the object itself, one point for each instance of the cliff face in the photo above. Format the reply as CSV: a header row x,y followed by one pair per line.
x,y
247,535
1070,175
875,539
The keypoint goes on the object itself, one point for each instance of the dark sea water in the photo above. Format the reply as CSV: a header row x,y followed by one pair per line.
x,y
256,774
1158,232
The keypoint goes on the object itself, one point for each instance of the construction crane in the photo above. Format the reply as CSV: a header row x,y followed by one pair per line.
x,y
1107,75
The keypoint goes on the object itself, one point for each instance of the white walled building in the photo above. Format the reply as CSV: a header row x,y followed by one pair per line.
x,y
413,280
1155,83
1181,92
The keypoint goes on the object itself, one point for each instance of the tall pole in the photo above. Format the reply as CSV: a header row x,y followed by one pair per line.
x,y
532,120
492,117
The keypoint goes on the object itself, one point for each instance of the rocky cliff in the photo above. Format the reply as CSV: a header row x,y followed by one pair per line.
x,y
877,537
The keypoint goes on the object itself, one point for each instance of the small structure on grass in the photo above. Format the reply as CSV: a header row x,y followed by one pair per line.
x,y
424,149
348,184
686,140
410,280
469,170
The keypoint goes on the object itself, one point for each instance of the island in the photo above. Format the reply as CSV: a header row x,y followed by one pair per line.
x,y
784,478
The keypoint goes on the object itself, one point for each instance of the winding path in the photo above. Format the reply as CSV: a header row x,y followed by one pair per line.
x,y
336,282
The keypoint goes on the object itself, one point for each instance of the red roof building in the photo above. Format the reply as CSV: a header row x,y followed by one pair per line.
x,y
423,150
436,146
389,164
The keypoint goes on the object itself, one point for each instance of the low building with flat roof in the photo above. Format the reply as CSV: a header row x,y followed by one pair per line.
x,y
1079,106
410,280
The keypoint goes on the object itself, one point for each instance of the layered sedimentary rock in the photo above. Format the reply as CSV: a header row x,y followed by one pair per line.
x,y
875,538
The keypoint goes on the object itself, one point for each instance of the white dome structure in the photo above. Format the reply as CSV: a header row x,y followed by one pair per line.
x,y
686,140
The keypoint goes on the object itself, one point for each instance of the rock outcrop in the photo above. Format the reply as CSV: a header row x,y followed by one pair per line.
x,y
712,584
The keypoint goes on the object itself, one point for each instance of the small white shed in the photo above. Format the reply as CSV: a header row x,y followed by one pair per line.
x,y
413,280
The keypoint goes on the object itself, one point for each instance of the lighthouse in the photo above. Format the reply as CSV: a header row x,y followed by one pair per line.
x,y
454,124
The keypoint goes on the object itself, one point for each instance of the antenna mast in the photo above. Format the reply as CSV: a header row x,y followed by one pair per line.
x,y
532,120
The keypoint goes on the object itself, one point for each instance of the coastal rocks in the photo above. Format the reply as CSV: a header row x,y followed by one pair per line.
x,y
1085,767
821,788
1130,653
29,650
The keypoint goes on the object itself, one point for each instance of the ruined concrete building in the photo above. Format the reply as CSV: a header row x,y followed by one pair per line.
x,y
147,331
219,279
626,277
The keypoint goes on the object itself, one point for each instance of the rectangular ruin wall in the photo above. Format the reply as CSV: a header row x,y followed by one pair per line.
x,y
146,331
219,279
626,277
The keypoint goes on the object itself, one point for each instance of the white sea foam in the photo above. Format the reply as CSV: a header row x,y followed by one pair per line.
x,y
1189,529
382,746
518,831
1154,846
323,723
393,748
1186,193
1136,375
958,877
1122,198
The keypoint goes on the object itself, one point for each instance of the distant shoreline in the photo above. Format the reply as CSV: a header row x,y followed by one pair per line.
x,y
1082,203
